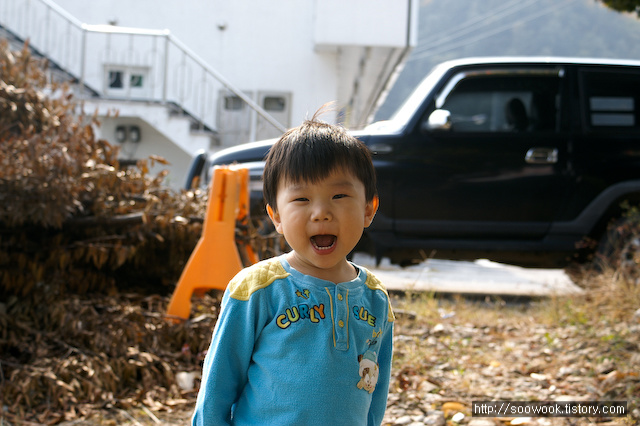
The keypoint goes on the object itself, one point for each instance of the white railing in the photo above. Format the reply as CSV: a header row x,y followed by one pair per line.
x,y
172,72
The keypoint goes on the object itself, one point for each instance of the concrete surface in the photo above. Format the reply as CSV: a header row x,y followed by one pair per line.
x,y
481,277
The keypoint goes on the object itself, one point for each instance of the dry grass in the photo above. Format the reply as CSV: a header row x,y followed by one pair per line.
x,y
452,351
459,350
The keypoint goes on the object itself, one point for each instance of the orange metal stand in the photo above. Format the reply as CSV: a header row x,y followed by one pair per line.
x,y
215,259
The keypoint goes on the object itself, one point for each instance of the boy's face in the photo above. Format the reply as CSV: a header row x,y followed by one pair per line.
x,y
322,222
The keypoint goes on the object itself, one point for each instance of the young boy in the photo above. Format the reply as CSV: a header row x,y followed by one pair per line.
x,y
305,338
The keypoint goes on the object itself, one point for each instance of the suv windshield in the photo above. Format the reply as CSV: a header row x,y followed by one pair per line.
x,y
413,102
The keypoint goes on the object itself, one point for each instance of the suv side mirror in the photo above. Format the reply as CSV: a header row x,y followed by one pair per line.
x,y
194,174
439,119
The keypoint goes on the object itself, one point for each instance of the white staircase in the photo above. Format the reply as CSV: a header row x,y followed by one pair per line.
x,y
165,119
148,76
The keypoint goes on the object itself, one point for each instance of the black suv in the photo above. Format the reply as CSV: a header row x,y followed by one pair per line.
x,y
518,160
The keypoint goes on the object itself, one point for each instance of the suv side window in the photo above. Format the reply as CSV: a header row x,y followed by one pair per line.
x,y
611,101
503,101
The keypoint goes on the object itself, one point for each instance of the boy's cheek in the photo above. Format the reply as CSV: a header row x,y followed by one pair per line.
x,y
278,227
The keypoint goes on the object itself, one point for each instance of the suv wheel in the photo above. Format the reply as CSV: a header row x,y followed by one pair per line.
x,y
620,246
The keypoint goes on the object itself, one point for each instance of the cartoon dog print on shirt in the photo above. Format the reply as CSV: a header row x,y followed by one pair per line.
x,y
368,371
368,361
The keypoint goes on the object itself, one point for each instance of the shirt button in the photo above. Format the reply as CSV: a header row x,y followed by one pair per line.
x,y
339,297
341,323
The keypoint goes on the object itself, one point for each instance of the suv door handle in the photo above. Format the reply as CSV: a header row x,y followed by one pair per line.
x,y
542,156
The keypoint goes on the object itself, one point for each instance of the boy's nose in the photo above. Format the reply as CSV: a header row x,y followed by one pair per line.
x,y
320,213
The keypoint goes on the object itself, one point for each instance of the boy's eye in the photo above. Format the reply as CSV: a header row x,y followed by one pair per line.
x,y
339,196
301,199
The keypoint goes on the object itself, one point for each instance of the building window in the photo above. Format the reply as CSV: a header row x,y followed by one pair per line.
x,y
274,103
137,80
115,80
233,103
124,81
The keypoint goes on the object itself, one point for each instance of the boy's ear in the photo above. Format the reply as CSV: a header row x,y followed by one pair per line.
x,y
370,211
275,218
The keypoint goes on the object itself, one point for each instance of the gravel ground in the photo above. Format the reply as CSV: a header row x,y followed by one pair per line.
x,y
449,352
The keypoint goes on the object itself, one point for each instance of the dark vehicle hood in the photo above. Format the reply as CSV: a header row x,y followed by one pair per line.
x,y
257,151
245,153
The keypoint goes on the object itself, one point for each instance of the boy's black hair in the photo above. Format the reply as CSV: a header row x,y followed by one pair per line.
x,y
311,152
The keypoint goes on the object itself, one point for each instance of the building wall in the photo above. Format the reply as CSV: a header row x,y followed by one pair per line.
x,y
365,22
153,143
309,52
258,46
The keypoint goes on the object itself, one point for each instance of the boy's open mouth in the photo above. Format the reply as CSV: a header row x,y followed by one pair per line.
x,y
323,242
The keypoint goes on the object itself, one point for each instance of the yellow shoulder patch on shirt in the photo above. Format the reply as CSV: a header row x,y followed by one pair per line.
x,y
375,284
256,277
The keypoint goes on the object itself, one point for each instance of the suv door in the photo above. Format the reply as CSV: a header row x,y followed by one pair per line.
x,y
606,150
499,171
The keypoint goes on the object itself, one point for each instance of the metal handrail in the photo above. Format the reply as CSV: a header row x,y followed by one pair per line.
x,y
250,102
16,16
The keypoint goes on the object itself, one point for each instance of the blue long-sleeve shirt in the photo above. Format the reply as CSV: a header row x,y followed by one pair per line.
x,y
292,349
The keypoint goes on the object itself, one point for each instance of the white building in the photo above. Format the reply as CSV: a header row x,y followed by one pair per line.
x,y
197,74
